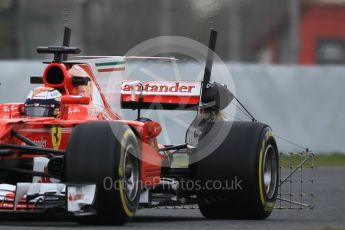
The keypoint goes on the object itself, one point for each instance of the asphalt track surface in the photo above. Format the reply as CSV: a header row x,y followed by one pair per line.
x,y
329,211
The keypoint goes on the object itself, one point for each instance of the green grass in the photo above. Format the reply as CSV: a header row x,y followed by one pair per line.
x,y
180,161
286,160
324,228
320,160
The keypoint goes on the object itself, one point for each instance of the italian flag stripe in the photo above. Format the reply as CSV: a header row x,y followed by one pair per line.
x,y
109,63
110,66
111,69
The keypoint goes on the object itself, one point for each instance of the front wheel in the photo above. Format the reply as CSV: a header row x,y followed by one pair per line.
x,y
106,154
247,164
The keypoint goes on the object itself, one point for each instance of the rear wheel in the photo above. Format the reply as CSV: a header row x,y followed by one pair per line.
x,y
106,154
246,167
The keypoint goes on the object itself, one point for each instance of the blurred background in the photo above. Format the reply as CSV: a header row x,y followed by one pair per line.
x,y
264,31
286,57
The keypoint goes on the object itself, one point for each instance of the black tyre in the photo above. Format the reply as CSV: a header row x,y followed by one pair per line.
x,y
244,168
106,153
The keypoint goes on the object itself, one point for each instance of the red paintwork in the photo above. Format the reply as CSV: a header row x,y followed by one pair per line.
x,y
73,112
320,21
187,100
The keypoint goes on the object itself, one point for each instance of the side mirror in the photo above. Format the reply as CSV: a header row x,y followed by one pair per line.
x,y
77,81
218,96
70,99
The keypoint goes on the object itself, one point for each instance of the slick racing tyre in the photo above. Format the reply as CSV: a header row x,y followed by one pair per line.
x,y
106,154
245,169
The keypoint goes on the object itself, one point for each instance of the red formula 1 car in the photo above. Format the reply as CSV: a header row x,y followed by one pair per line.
x,y
66,149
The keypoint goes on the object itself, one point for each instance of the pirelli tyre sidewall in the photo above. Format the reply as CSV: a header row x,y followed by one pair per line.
x,y
242,158
129,152
268,195
98,153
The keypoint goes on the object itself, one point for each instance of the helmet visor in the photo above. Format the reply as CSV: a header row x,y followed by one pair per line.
x,y
41,108
38,111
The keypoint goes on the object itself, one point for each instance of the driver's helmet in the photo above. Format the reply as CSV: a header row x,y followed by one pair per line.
x,y
43,102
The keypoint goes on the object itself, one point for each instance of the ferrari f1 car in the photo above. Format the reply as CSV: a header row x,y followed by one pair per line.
x,y
66,149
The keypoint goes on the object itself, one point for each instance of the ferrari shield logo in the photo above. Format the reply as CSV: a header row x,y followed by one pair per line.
x,y
56,136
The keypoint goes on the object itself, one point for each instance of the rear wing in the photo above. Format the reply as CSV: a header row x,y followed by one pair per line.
x,y
170,95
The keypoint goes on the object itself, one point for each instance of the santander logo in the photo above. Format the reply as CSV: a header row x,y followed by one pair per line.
x,y
168,88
